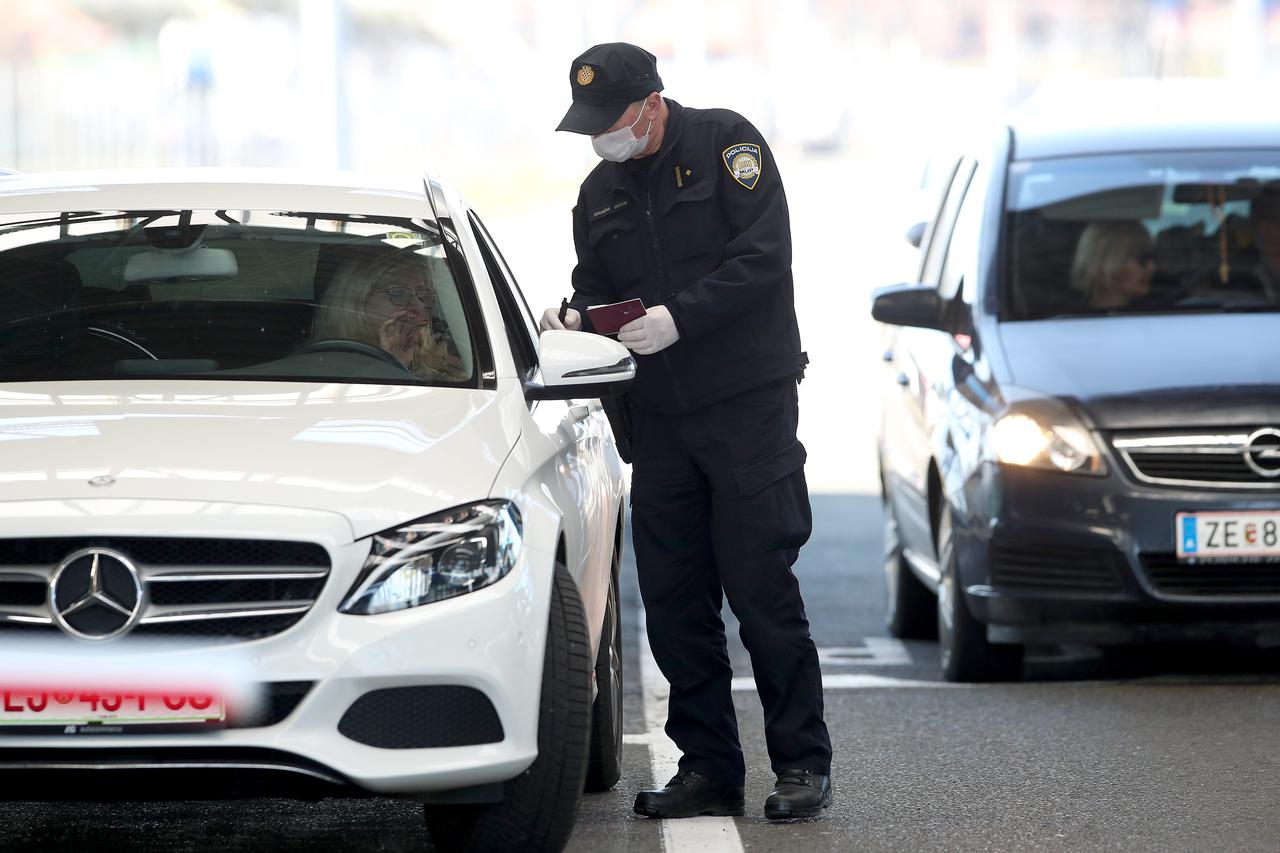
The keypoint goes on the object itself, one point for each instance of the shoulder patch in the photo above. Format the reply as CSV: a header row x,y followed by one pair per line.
x,y
744,162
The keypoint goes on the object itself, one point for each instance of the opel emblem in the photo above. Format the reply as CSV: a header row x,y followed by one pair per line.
x,y
96,594
1262,452
104,480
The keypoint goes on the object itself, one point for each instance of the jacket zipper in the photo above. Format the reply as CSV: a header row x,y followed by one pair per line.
x,y
662,286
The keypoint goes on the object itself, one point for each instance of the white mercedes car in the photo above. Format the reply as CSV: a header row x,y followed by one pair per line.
x,y
297,501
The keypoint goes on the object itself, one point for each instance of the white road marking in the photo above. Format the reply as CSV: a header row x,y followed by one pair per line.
x,y
857,681
874,651
706,834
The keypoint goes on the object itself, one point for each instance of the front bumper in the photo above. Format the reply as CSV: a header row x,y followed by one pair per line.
x,y
488,642
1048,557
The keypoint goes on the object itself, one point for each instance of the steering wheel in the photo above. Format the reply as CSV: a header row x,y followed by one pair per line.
x,y
348,345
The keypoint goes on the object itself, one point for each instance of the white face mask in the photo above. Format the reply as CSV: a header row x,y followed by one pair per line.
x,y
621,145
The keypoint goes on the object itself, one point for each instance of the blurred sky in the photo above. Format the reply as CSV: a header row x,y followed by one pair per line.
x,y
852,94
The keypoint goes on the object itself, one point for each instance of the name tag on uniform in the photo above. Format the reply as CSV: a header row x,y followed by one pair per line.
x,y
608,209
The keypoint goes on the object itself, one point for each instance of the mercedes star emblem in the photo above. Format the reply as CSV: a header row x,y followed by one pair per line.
x,y
96,594
1262,452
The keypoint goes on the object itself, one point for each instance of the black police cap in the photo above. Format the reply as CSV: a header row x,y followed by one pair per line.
x,y
604,81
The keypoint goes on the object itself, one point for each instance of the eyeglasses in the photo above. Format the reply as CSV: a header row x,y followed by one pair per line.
x,y
400,296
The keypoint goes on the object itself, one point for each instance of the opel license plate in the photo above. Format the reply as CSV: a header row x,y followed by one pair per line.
x,y
1209,535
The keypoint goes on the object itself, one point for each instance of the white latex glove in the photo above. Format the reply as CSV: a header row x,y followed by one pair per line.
x,y
652,333
551,320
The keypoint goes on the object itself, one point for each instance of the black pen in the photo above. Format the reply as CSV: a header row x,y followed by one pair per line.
x,y
564,310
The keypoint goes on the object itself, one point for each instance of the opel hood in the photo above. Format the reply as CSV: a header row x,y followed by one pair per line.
x,y
1154,371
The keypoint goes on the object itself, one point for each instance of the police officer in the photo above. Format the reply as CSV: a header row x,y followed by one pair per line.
x,y
687,213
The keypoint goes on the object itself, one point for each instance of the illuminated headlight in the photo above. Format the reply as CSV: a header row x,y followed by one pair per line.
x,y
1053,441
441,556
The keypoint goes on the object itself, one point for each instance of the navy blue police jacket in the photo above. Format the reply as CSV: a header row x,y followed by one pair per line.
x,y
701,227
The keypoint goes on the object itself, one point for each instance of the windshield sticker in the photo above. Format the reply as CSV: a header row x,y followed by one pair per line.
x,y
404,239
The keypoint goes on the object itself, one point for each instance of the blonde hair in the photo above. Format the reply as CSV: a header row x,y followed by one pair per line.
x,y
1104,247
344,313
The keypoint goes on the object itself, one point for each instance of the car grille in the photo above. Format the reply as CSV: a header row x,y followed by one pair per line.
x,y
1039,567
1170,577
229,588
1234,459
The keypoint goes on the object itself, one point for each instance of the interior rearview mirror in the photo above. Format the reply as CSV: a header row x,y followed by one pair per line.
x,y
200,263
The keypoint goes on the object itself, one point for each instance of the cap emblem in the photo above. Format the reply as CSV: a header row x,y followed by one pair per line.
x,y
744,163
585,75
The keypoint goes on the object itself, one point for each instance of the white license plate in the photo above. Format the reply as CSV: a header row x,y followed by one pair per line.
x,y
1227,534
56,707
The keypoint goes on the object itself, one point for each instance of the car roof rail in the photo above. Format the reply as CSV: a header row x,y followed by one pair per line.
x,y
4,171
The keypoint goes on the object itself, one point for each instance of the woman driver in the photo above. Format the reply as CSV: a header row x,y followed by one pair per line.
x,y
388,304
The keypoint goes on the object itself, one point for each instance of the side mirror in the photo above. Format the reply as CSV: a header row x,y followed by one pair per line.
x,y
908,305
915,234
580,365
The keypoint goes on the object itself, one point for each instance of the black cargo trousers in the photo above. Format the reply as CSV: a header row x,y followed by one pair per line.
x,y
720,509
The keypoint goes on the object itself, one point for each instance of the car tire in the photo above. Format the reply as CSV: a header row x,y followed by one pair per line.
x,y
538,807
910,608
962,639
604,767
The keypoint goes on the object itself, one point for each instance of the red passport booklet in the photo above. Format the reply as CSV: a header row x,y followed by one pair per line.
x,y
608,319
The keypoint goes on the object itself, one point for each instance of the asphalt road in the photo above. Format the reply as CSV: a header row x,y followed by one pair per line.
x,y
1159,750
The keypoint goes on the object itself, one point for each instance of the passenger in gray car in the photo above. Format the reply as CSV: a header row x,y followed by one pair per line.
x,y
1264,217
1113,263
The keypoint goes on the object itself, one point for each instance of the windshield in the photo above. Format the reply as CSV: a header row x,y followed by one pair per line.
x,y
231,294
1142,233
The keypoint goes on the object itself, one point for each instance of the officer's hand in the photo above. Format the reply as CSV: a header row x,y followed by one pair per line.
x,y
551,320
653,332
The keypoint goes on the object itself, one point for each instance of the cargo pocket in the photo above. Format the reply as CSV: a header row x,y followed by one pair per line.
x,y
775,500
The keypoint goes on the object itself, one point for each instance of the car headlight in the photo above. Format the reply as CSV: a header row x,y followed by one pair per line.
x,y
1046,435
441,556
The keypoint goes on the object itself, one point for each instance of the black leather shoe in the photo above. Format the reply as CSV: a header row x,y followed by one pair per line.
x,y
798,794
690,794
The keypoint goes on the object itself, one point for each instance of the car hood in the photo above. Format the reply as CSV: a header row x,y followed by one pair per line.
x,y
378,455
1154,371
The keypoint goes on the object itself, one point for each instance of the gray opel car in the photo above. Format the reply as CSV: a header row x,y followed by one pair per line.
x,y
1080,436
